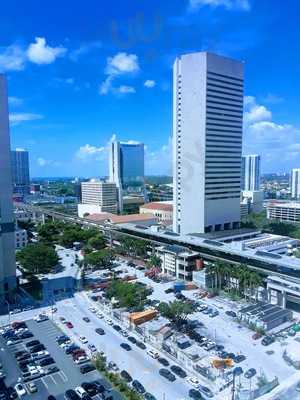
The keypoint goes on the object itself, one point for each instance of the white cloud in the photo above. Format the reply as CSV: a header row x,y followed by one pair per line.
x,y
120,64
149,83
243,5
40,53
42,162
277,143
12,58
14,101
17,118
86,152
123,89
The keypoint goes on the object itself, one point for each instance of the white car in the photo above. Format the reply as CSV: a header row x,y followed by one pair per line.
x,y
109,321
92,309
32,387
99,315
20,390
80,391
124,333
40,354
83,339
153,354
193,381
81,359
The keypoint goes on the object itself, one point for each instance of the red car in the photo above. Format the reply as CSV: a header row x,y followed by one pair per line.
x,y
69,325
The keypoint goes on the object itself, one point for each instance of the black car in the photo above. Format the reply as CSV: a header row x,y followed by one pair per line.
x,y
231,314
32,343
26,335
125,375
100,331
178,371
20,353
163,361
36,348
90,388
231,355
167,374
100,388
138,387
267,340
117,328
71,349
195,394
23,357
141,345
71,395
84,369
125,346
46,361
132,339
170,290
149,396
239,358
51,397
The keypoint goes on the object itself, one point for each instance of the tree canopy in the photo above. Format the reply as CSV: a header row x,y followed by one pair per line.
x,y
37,258
128,294
176,311
100,259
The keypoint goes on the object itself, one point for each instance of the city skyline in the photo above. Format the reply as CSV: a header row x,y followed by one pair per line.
x,y
71,91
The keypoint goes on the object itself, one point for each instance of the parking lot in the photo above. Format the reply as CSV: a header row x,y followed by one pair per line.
x,y
66,373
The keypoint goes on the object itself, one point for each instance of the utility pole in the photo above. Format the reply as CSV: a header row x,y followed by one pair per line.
x,y
233,387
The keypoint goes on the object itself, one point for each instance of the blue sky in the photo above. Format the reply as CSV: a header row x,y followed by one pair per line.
x,y
81,73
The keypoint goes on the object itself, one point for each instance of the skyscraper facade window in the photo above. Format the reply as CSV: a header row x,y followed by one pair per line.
x,y
207,142
127,168
251,172
20,171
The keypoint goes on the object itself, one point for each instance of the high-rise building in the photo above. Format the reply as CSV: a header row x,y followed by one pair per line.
x,y
103,195
20,171
7,226
207,142
127,168
251,172
295,183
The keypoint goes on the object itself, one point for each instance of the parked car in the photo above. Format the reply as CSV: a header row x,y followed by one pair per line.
x,y
125,346
195,394
206,391
117,328
167,374
267,340
141,345
163,361
239,358
231,314
71,395
138,386
32,387
86,319
152,353
83,339
90,388
178,371
38,347
149,396
125,375
84,369
32,343
20,390
250,373
69,325
46,361
132,339
100,331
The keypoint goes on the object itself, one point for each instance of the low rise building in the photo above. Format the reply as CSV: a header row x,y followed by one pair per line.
x,y
284,211
144,219
178,261
98,196
163,210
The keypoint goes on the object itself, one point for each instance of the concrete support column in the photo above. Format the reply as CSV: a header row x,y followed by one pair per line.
x,y
283,299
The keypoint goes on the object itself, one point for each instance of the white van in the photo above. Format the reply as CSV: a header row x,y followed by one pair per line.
x,y
153,354
80,391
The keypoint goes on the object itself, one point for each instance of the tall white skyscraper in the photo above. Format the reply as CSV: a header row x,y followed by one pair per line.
x,y
207,142
295,183
251,172
126,168
7,226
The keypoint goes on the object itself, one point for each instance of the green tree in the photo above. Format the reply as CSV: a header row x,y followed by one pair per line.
x,y
97,242
128,294
37,258
100,259
28,226
176,311
48,233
